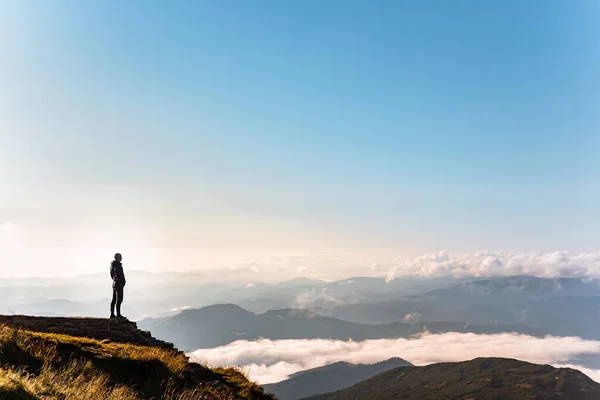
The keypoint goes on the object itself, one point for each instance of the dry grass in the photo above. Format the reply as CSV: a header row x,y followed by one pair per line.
x,y
47,346
37,365
237,378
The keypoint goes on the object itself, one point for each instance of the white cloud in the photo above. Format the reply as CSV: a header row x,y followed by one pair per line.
x,y
310,297
270,361
177,309
412,318
330,266
482,264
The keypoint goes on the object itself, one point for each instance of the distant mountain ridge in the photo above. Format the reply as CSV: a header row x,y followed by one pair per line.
x,y
513,289
525,300
222,324
329,378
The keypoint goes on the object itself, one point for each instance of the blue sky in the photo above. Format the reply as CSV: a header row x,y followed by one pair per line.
x,y
409,126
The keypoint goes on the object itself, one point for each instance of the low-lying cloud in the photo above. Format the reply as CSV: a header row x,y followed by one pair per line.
x,y
308,298
270,361
485,264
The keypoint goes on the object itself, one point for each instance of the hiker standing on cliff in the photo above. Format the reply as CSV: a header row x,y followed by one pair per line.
x,y
118,278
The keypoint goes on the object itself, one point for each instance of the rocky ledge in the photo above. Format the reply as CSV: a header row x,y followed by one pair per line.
x,y
114,330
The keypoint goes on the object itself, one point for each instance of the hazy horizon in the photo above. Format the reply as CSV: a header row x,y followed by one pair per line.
x,y
278,266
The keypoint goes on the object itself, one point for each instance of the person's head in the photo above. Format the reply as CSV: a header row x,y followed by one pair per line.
x,y
118,257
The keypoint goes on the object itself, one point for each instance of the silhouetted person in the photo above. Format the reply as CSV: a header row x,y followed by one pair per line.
x,y
118,278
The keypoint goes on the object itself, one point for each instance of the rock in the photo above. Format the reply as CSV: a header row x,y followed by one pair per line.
x,y
113,330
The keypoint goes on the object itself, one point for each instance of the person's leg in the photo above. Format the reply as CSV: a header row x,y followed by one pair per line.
x,y
113,302
119,301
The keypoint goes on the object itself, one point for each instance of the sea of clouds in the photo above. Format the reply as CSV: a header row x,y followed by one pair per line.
x,y
268,361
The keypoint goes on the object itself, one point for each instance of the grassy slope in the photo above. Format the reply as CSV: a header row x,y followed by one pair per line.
x,y
37,365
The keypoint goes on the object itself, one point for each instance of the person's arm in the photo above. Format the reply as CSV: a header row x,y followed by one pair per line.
x,y
123,276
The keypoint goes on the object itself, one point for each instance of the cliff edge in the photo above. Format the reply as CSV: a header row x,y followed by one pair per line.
x,y
114,330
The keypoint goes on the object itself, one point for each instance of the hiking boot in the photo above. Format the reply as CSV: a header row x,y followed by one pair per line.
x,y
113,316
121,317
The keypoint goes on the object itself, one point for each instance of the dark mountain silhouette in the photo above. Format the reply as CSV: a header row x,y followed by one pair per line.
x,y
222,324
329,378
478,379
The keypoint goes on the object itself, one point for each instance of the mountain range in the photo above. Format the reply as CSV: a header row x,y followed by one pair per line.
x,y
222,324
